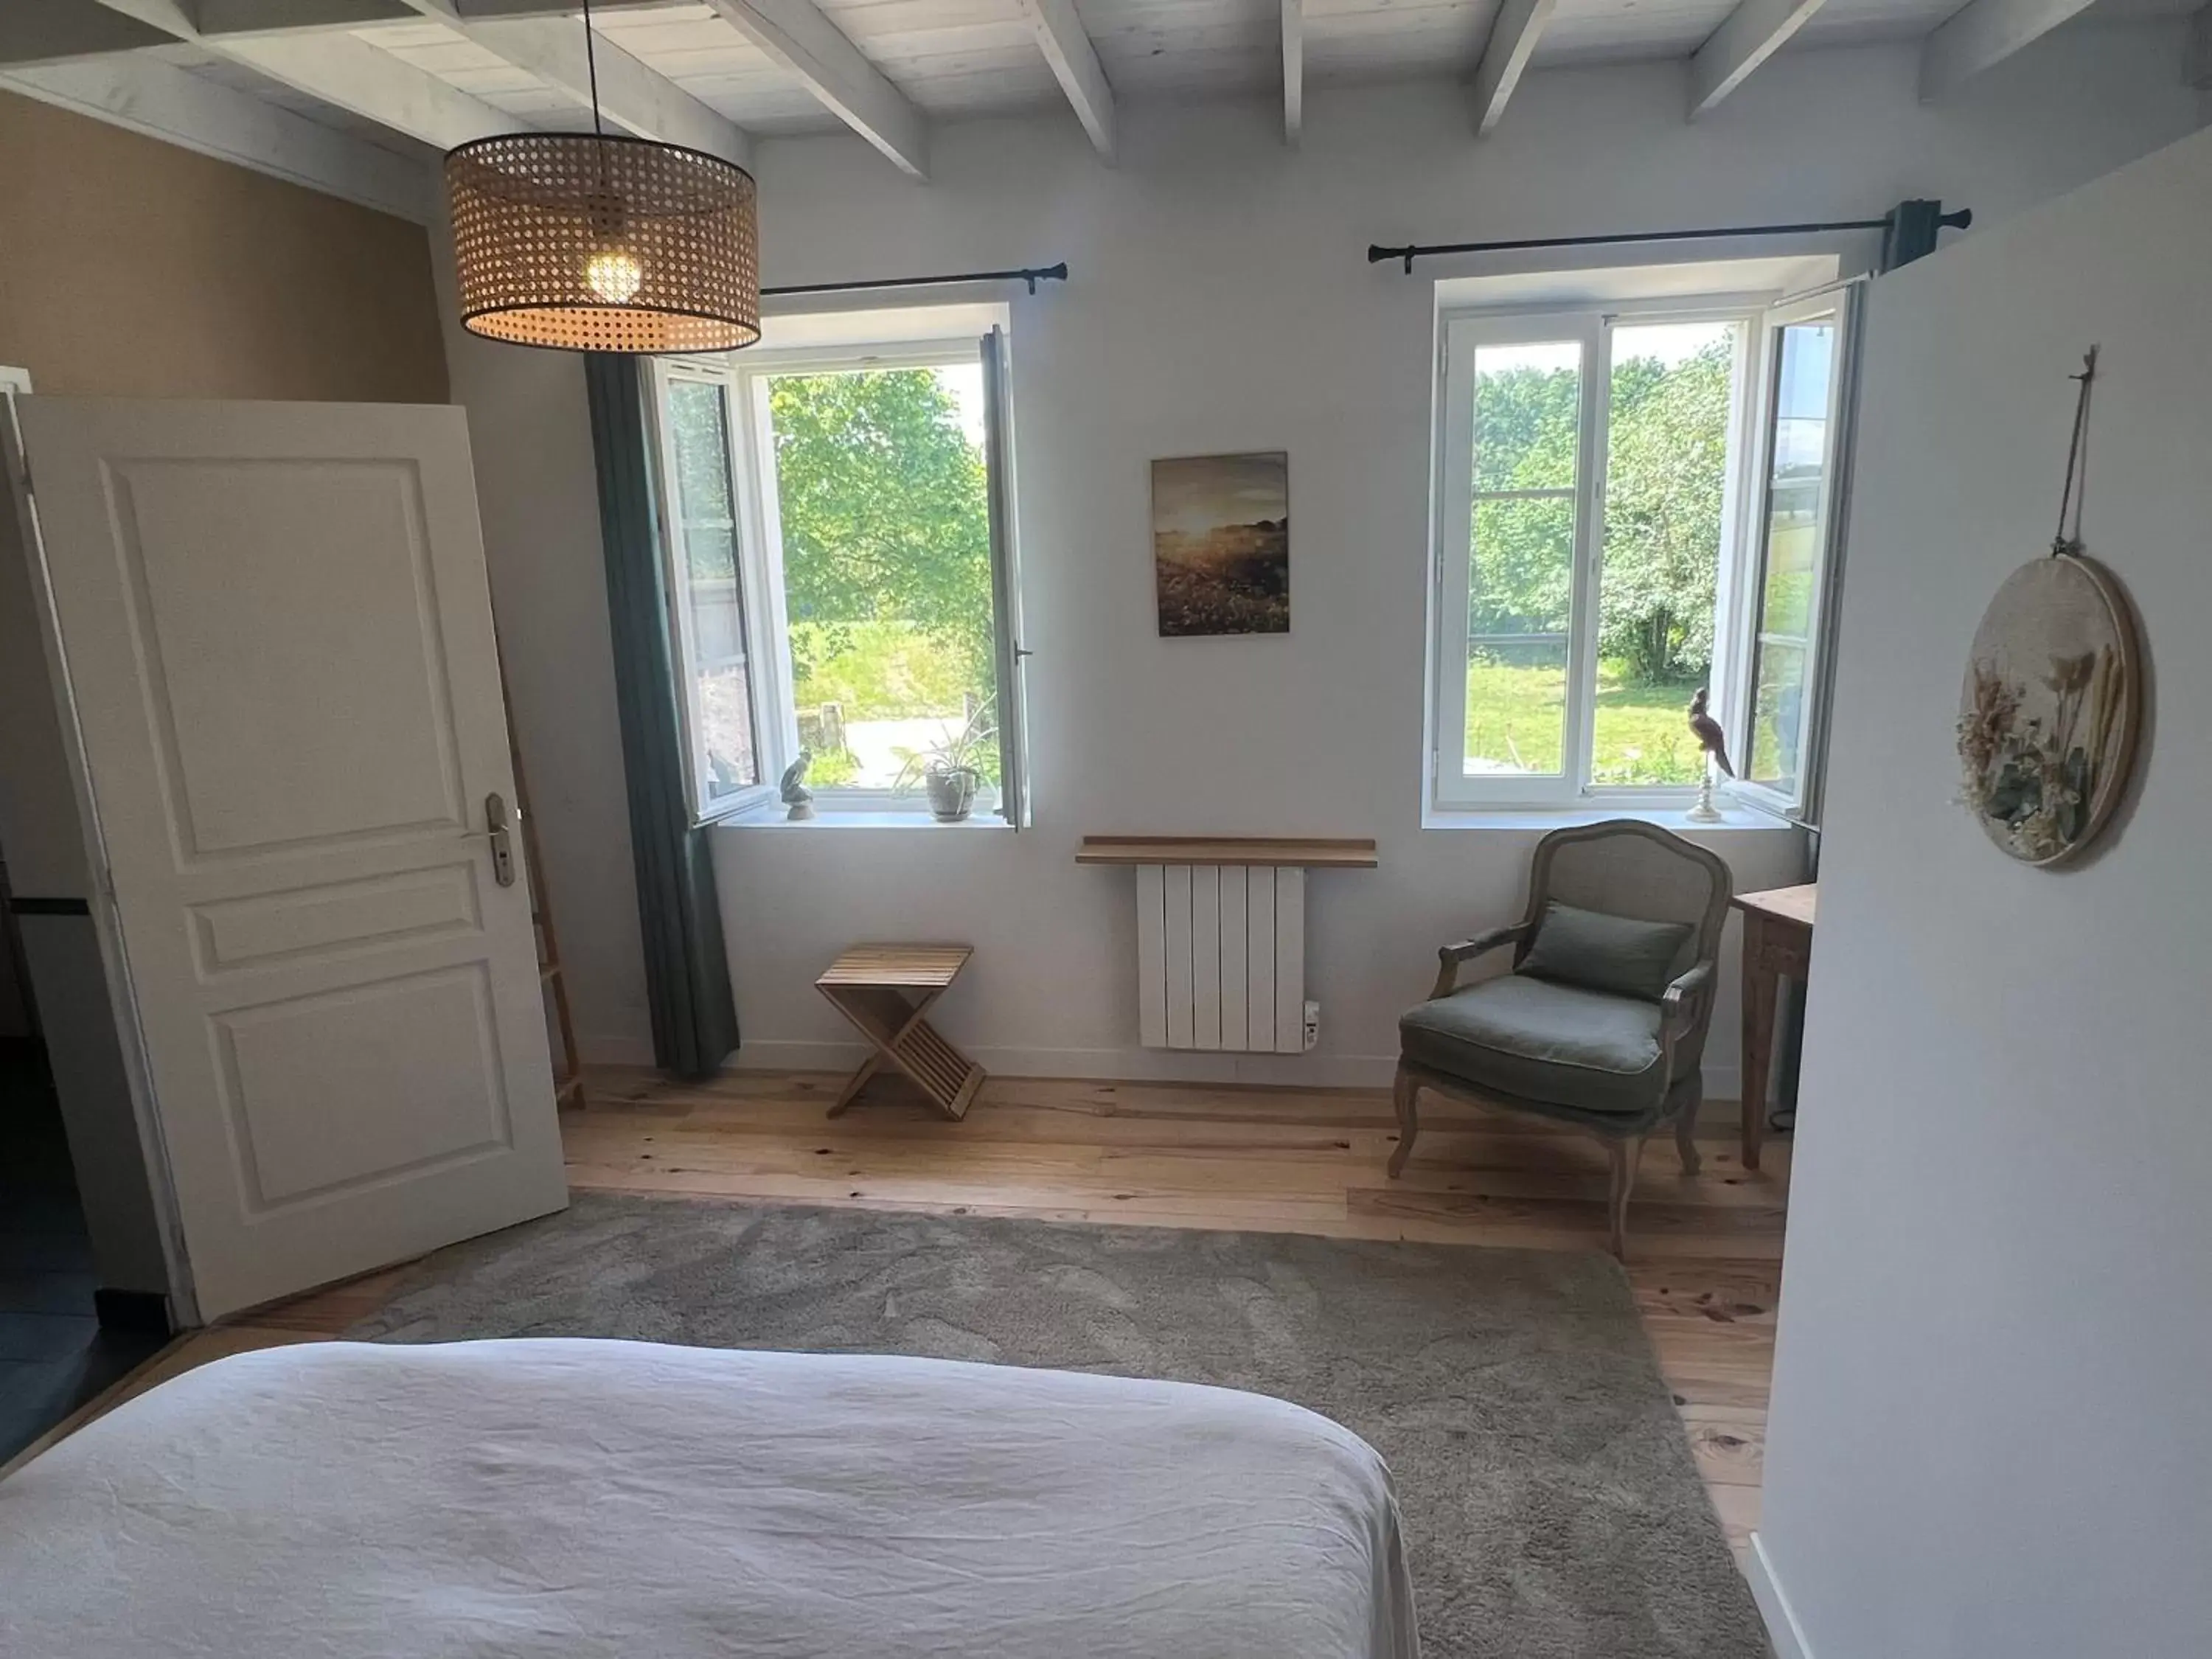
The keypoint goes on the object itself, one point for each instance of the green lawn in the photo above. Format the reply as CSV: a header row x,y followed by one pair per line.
x,y
877,671
890,671
1514,716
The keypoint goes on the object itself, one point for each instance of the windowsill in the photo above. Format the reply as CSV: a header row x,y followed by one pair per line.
x,y
1735,816
773,816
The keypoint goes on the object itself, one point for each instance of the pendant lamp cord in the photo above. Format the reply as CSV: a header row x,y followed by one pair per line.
x,y
592,72
2063,545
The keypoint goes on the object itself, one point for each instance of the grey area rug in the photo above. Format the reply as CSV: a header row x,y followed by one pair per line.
x,y
1551,1504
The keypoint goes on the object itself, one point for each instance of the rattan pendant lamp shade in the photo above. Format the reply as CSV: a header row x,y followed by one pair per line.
x,y
587,242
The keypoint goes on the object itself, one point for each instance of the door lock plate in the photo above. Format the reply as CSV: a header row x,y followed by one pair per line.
x,y
502,839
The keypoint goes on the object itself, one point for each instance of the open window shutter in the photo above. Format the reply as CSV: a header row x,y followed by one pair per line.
x,y
1005,590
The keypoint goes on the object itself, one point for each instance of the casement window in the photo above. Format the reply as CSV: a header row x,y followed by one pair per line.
x,y
1633,504
837,526
1794,547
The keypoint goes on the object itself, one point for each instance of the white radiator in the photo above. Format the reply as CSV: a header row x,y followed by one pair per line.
x,y
1221,957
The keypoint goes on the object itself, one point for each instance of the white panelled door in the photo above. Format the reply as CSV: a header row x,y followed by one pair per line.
x,y
278,643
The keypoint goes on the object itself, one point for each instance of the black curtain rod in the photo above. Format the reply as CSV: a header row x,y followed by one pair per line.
x,y
1377,254
1033,275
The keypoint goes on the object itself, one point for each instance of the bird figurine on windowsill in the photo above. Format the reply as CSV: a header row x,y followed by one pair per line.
x,y
1713,742
793,790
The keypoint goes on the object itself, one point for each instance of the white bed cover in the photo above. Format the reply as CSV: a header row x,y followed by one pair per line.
x,y
521,1499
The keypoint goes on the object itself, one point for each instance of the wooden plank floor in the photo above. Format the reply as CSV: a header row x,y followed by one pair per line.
x,y
1705,1252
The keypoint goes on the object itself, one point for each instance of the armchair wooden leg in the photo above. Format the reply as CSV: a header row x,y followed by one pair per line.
x,y
1403,1088
1686,1137
1625,1155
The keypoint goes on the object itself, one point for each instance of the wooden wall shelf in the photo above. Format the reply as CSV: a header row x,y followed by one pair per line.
x,y
1308,852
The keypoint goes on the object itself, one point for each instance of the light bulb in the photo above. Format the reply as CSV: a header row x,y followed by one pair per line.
x,y
614,275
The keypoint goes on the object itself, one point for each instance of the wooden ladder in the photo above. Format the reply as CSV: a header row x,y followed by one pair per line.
x,y
568,1081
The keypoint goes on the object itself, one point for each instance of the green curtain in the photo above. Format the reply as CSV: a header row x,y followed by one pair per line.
x,y
687,973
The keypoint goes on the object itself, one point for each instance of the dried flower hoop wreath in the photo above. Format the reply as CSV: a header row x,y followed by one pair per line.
x,y
2052,701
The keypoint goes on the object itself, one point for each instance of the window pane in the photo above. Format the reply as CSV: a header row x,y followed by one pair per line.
x,y
1519,597
1801,448
1777,720
1793,556
1793,538
705,521
1666,440
1525,415
1808,363
881,491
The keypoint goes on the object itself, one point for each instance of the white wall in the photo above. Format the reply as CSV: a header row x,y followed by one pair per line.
x,y
530,435
1989,1434
1221,301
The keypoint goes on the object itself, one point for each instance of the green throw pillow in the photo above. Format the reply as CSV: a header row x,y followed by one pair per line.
x,y
1599,952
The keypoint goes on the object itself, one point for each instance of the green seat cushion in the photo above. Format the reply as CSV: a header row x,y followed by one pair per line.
x,y
1559,1044
1599,952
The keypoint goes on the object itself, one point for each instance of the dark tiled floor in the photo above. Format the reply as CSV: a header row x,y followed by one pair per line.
x,y
53,1354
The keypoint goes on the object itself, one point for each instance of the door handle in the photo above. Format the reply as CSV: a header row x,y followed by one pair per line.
x,y
502,841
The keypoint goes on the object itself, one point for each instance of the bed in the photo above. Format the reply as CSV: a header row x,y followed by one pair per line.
x,y
539,1498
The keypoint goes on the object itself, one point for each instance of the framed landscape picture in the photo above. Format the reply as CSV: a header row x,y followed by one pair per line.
x,y
1221,544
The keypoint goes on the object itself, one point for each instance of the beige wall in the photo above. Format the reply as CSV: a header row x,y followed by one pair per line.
x,y
132,268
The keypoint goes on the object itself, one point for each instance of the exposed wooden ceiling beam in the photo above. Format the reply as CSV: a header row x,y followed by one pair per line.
x,y
296,16
1747,38
1985,32
339,69
146,96
479,9
1075,65
1294,70
638,99
1512,40
55,34
797,36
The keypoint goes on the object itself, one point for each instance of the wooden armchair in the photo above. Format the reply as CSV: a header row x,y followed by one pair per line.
x,y
1601,1023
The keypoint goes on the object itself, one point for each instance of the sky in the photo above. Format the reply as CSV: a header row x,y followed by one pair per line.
x,y
1801,435
1194,494
965,382
1670,342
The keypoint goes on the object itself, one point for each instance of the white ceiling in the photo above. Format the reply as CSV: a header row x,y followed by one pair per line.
x,y
977,56
728,72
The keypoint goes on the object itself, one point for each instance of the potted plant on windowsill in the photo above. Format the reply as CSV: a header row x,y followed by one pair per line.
x,y
947,771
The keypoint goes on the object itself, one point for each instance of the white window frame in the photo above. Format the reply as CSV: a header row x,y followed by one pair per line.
x,y
1838,301
1463,337
745,378
663,372
1463,332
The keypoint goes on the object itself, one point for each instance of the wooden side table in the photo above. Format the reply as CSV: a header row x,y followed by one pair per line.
x,y
1778,944
870,985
